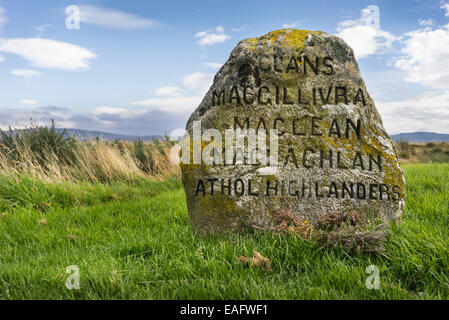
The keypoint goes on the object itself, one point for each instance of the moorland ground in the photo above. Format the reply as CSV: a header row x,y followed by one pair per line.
x,y
125,226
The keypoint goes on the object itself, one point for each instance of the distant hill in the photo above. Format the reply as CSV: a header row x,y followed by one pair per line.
x,y
92,134
421,137
411,136
89,135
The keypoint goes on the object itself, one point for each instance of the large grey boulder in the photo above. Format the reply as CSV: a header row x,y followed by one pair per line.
x,y
334,154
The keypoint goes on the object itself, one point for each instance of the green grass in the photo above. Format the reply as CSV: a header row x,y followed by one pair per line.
x,y
135,242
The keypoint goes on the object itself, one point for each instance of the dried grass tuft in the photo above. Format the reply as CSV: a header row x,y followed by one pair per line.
x,y
257,260
349,231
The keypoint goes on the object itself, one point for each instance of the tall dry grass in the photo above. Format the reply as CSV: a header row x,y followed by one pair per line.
x,y
416,152
69,159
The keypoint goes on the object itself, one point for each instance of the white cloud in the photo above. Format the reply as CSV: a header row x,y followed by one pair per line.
x,y
110,110
3,17
171,104
198,81
293,24
130,121
425,60
427,112
109,119
47,53
109,116
113,19
425,22
212,65
446,8
168,91
365,38
208,37
43,27
27,114
425,57
28,102
25,73
123,113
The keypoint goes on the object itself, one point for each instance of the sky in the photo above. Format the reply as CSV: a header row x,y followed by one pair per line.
x,y
141,67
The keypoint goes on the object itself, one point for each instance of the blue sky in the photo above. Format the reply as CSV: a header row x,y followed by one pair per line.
x,y
141,67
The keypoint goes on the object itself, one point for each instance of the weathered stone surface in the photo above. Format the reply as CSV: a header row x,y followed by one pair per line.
x,y
307,84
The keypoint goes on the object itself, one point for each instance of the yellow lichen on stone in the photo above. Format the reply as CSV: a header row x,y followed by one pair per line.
x,y
293,38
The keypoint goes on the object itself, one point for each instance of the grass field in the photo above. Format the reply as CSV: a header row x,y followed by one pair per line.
x,y
133,241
